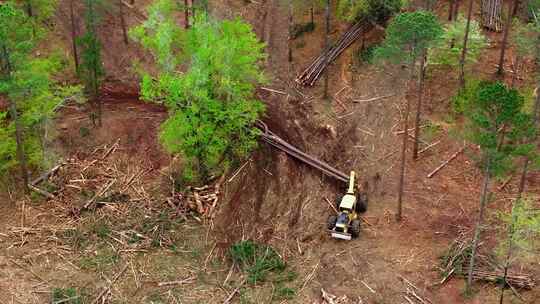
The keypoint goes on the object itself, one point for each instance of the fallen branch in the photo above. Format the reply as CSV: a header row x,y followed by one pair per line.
x,y
430,175
41,191
429,147
178,282
273,91
328,297
331,205
374,98
235,291
102,293
47,174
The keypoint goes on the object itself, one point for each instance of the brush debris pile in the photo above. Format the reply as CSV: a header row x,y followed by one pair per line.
x,y
456,261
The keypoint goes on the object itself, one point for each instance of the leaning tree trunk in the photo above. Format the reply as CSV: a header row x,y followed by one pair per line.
x,y
186,14
451,10
290,38
478,229
464,50
500,69
401,185
419,103
123,22
74,36
491,15
327,46
509,252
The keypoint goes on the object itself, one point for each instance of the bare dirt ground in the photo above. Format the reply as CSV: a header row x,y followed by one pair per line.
x,y
273,199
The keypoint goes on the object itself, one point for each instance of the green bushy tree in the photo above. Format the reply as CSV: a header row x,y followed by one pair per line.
x,y
454,37
26,83
211,106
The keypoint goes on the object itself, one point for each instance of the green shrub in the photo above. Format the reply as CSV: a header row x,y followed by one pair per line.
x,y
257,260
66,296
302,28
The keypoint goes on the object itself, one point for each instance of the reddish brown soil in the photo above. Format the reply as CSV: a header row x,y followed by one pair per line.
x,y
277,200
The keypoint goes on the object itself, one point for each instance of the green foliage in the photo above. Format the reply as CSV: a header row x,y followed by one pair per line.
x,y
460,100
26,82
284,293
300,29
448,51
66,296
366,55
375,10
408,35
161,35
523,231
211,105
256,260
525,38
91,68
493,108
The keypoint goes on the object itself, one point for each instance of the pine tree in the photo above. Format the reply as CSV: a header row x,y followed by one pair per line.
x,y
91,65
407,37
497,124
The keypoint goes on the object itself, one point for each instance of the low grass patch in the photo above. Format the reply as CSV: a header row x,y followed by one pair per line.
x,y
66,296
103,259
257,260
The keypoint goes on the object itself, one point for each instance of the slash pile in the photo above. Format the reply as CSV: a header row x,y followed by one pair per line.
x,y
310,75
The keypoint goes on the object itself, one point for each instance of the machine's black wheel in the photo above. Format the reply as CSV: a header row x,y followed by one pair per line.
x,y
362,203
332,219
355,228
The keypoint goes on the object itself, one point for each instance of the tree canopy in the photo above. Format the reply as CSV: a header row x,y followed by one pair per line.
x,y
26,82
374,10
408,35
212,105
493,108
454,35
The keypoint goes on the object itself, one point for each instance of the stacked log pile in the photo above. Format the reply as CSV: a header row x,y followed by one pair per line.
x,y
310,75
491,15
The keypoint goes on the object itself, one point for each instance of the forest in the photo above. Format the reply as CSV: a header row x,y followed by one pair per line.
x,y
270,151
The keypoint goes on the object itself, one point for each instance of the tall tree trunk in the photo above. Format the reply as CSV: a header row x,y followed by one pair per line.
x,y
451,10
526,160
327,46
123,22
74,36
419,103
464,51
312,14
401,185
21,156
29,9
478,229
456,9
186,13
500,69
289,43
509,252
